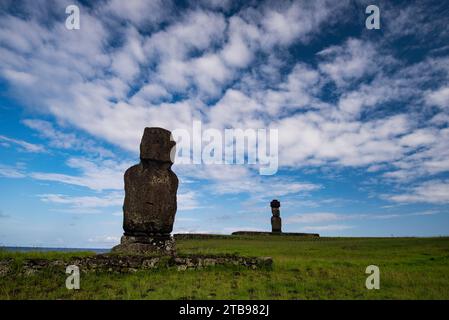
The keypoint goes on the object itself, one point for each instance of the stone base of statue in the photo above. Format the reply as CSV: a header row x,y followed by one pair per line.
x,y
152,244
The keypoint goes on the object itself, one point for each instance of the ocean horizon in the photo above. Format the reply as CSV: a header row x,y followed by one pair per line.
x,y
49,249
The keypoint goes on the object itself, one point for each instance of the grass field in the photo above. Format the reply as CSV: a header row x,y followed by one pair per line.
x,y
324,268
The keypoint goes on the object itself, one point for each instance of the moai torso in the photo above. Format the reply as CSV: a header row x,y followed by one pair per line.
x,y
276,221
150,187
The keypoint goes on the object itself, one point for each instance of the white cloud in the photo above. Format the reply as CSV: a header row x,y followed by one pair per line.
x,y
158,11
435,191
238,179
430,159
20,77
23,145
101,175
298,20
150,93
84,202
312,138
187,201
349,62
61,140
439,97
236,53
11,172
224,70
327,217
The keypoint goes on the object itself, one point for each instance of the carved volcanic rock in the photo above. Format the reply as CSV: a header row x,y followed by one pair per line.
x,y
276,221
157,145
150,199
150,196
128,263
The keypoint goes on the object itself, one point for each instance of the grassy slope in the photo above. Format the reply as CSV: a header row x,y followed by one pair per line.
x,y
328,268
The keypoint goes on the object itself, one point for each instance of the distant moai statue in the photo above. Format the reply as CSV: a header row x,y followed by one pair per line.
x,y
150,197
276,221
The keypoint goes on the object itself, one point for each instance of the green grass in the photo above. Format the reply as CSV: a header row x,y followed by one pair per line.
x,y
325,268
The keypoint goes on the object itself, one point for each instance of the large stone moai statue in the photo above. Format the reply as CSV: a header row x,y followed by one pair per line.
x,y
150,197
276,222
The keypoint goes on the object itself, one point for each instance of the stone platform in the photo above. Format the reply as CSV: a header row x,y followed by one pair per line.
x,y
205,236
114,263
200,236
260,233
161,245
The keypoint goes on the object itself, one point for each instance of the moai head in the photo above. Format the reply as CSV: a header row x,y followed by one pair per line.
x,y
275,205
157,145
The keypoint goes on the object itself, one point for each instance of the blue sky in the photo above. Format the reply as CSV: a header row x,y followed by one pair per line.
x,y
362,114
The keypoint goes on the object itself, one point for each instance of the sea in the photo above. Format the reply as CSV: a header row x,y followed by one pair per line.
x,y
48,249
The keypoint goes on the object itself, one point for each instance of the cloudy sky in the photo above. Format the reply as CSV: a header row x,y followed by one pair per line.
x,y
362,114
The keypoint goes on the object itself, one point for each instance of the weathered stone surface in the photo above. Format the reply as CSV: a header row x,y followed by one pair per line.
x,y
150,199
157,145
276,221
150,196
132,263
199,262
5,266
145,244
